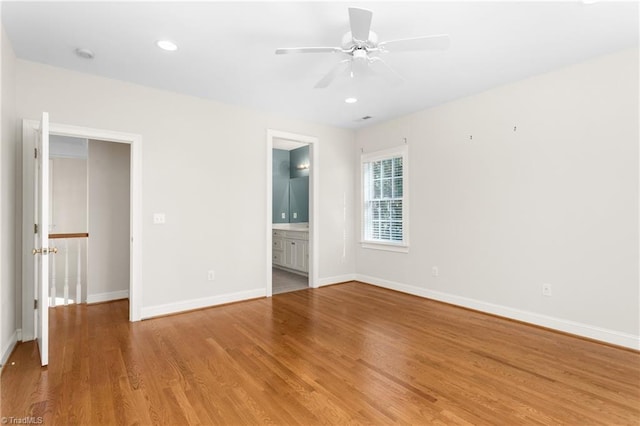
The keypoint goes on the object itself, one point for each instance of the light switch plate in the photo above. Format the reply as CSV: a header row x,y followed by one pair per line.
x,y
158,218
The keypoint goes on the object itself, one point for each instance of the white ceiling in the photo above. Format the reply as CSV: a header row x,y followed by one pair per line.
x,y
227,48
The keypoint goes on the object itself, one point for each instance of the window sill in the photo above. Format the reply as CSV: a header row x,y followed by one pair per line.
x,y
398,248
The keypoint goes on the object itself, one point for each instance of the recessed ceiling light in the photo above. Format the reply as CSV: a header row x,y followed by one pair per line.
x,y
167,45
84,53
351,100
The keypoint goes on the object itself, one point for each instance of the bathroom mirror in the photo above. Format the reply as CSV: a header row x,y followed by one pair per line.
x,y
291,185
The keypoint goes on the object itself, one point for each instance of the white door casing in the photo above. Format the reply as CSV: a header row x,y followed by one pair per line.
x,y
29,136
314,228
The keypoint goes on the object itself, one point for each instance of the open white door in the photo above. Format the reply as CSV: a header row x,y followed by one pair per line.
x,y
41,240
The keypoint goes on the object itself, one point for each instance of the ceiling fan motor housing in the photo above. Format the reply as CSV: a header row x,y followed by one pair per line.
x,y
348,42
359,54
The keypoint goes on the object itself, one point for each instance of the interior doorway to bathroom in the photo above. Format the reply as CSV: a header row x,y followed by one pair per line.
x,y
290,212
291,233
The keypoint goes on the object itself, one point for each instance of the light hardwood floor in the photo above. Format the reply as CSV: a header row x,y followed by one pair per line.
x,y
344,354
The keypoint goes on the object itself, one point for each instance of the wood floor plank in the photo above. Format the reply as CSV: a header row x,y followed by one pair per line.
x,y
344,354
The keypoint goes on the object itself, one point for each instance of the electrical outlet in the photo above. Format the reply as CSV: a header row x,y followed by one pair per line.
x,y
295,215
211,275
283,216
434,271
546,289
158,218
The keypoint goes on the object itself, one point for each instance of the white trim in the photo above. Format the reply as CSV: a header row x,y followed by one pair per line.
x,y
205,302
336,280
559,324
135,270
365,158
380,245
106,297
383,154
314,212
269,216
6,351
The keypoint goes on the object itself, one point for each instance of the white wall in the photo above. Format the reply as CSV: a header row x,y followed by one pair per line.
x,y
9,275
555,201
203,166
68,202
109,181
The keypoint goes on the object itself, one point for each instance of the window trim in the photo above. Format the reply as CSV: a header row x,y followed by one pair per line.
x,y
365,158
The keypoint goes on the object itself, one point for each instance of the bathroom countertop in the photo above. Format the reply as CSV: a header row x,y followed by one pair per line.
x,y
291,226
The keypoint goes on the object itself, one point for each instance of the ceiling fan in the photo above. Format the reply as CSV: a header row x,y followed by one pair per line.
x,y
361,48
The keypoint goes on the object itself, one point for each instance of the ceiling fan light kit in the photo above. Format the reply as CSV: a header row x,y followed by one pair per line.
x,y
361,47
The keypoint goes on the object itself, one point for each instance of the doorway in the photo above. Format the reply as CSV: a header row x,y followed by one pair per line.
x,y
30,129
291,228
68,224
89,216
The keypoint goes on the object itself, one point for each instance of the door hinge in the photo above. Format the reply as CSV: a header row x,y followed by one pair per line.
x,y
35,152
35,304
35,228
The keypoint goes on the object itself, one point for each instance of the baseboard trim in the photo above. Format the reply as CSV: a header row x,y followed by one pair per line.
x,y
107,297
8,349
336,280
566,326
205,302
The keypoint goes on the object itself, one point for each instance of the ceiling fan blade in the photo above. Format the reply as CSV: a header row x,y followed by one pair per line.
x,y
433,42
338,69
379,66
286,50
360,21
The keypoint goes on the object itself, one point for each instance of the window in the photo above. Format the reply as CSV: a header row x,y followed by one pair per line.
x,y
384,190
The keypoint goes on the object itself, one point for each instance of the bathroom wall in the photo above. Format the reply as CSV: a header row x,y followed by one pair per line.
x,y
280,186
291,185
299,185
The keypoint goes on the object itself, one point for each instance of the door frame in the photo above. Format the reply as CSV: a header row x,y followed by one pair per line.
x,y
29,127
314,173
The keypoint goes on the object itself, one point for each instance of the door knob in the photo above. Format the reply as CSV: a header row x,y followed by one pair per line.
x,y
36,251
